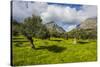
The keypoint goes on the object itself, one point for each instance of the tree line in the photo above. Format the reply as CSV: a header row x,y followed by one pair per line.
x,y
32,27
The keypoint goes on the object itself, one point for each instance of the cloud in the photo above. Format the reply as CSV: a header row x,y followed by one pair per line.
x,y
58,13
67,14
87,11
63,15
24,9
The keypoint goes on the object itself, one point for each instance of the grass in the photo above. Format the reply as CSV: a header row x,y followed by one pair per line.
x,y
53,51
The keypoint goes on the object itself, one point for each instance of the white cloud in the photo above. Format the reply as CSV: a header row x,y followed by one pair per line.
x,y
58,13
88,11
67,14
24,9
70,27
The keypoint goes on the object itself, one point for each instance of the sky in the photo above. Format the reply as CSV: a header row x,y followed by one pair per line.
x,y
67,16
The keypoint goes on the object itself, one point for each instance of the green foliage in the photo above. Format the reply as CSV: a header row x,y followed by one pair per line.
x,y
48,52
43,33
33,26
83,34
15,27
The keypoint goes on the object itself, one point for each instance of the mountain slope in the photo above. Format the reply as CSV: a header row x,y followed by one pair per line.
x,y
85,30
53,27
90,23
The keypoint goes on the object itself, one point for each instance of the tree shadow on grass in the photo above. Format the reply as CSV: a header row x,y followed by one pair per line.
x,y
17,38
83,42
19,41
53,48
56,40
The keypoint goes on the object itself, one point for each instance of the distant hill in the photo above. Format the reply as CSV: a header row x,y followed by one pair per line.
x,y
54,27
90,23
85,30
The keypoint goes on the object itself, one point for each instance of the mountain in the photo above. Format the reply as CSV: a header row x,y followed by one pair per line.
x,y
90,23
53,27
86,30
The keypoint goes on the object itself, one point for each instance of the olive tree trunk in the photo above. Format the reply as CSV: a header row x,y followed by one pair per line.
x,y
32,44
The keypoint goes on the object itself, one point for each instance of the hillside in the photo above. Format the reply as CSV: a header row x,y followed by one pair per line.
x,y
90,23
85,30
54,27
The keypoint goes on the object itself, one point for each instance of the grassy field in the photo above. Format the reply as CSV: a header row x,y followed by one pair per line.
x,y
55,50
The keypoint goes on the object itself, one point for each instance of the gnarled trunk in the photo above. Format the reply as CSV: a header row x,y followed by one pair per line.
x,y
31,41
29,38
32,44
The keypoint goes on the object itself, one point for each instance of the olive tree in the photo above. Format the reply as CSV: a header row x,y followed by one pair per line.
x,y
33,27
